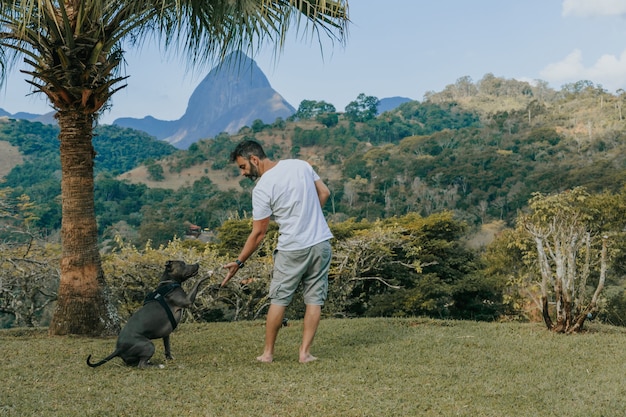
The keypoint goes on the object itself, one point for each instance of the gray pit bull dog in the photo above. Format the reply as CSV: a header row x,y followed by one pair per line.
x,y
159,316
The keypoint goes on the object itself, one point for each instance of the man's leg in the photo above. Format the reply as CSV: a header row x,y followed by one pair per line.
x,y
311,321
273,323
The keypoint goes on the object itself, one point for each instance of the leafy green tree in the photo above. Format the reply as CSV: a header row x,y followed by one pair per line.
x,y
306,110
116,200
362,109
258,125
434,117
74,52
311,109
387,128
409,265
232,234
616,306
503,263
306,137
119,150
155,171
279,123
159,233
362,267
328,119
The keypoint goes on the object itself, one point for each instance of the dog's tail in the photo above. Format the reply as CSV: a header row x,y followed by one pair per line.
x,y
103,361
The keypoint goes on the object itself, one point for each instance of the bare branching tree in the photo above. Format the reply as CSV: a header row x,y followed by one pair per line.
x,y
569,252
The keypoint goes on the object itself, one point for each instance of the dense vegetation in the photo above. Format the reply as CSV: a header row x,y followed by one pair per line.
x,y
117,150
410,188
479,150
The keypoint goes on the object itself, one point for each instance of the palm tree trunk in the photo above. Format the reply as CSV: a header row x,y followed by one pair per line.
x,y
82,305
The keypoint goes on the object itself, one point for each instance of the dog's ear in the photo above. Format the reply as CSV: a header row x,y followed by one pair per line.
x,y
168,264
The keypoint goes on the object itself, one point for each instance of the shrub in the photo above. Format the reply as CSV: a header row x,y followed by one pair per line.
x,y
29,279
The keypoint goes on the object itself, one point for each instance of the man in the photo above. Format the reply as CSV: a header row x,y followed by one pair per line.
x,y
294,194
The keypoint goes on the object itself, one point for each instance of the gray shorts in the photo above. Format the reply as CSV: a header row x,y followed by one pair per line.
x,y
309,266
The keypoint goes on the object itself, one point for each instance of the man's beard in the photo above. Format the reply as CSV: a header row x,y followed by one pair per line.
x,y
254,173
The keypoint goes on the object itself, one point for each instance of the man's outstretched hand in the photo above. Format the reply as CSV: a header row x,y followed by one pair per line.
x,y
232,270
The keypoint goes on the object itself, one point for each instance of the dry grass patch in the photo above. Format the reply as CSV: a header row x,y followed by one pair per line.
x,y
10,157
175,180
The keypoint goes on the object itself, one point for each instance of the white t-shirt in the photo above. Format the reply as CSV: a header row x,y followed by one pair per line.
x,y
288,192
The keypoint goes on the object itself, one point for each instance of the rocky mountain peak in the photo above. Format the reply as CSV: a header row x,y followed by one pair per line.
x,y
234,94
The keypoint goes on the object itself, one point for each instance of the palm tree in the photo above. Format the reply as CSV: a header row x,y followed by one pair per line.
x,y
73,51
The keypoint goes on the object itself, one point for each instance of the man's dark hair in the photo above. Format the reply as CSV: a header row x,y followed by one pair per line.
x,y
246,149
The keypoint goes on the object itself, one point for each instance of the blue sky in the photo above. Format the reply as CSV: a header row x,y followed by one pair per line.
x,y
404,48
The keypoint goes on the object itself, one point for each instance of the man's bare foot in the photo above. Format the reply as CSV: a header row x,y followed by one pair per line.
x,y
307,358
265,358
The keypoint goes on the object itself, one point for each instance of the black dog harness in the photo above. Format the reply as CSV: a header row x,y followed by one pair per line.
x,y
159,295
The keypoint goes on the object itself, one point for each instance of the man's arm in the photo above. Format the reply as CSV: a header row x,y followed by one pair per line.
x,y
259,228
322,191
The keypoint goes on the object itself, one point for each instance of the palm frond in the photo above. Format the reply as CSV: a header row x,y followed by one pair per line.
x,y
75,49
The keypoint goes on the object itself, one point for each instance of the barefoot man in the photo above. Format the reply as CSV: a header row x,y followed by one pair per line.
x,y
294,194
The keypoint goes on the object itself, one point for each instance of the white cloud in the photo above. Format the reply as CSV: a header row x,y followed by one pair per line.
x,y
608,71
591,8
570,67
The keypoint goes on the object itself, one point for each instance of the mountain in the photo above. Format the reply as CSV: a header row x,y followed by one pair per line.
x,y
46,119
391,103
234,94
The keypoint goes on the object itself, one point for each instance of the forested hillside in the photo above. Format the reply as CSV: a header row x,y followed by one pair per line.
x,y
38,176
479,149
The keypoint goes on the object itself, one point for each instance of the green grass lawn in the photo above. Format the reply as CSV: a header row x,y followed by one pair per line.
x,y
366,367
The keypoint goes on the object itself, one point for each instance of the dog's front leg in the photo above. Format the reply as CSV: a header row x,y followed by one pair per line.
x,y
194,290
166,346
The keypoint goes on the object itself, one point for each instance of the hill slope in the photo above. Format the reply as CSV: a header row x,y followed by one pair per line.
x,y
10,157
479,151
